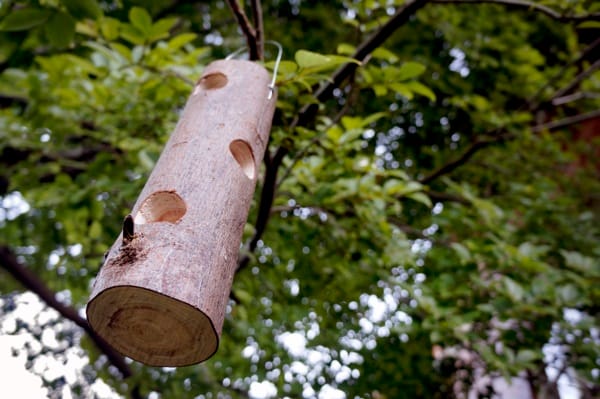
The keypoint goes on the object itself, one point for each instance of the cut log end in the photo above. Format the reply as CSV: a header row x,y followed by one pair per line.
x,y
152,328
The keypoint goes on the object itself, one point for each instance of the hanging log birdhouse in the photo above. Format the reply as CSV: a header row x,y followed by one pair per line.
x,y
161,295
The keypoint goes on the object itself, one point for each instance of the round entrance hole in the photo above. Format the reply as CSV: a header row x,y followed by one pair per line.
x,y
161,206
212,81
242,152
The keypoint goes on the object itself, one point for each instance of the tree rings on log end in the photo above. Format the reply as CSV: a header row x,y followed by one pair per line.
x,y
152,328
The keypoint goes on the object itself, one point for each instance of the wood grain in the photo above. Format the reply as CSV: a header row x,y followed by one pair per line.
x,y
160,297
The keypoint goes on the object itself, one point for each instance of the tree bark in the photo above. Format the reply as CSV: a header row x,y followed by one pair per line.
x,y
160,297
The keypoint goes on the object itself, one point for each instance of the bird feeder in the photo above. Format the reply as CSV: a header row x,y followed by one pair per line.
x,y
161,295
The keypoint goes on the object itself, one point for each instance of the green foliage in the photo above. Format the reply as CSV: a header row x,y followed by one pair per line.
x,y
81,9
397,284
60,29
23,19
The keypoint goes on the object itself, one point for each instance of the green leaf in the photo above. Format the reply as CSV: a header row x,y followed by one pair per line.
x,y
181,40
373,118
479,102
530,250
60,29
132,34
393,187
421,89
243,296
581,263
385,54
24,18
569,294
410,70
345,49
95,230
308,59
81,9
137,53
396,187
589,25
429,305
515,291
462,252
380,90
402,89
87,28
140,18
7,46
350,122
123,50
110,54
528,356
285,67
489,212
420,197
164,92
334,133
161,28
350,136
146,160
110,28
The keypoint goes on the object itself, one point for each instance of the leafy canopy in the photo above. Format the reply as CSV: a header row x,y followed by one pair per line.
x,y
428,211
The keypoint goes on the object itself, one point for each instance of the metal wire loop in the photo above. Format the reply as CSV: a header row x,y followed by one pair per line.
x,y
275,67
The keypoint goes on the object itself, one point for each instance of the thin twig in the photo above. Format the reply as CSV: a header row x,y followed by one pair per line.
x,y
32,282
534,105
475,146
529,6
446,197
534,100
299,155
572,120
352,97
168,72
579,95
482,143
576,80
257,17
267,195
246,28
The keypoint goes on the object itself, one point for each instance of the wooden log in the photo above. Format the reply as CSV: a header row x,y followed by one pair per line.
x,y
161,295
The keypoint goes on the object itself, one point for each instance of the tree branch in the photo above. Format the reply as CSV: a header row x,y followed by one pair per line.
x,y
477,145
325,92
25,276
267,195
534,100
350,101
579,95
528,5
447,197
572,120
576,81
247,29
257,17
308,113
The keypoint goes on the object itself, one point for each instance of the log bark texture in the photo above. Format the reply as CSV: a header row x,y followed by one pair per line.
x,y
161,295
